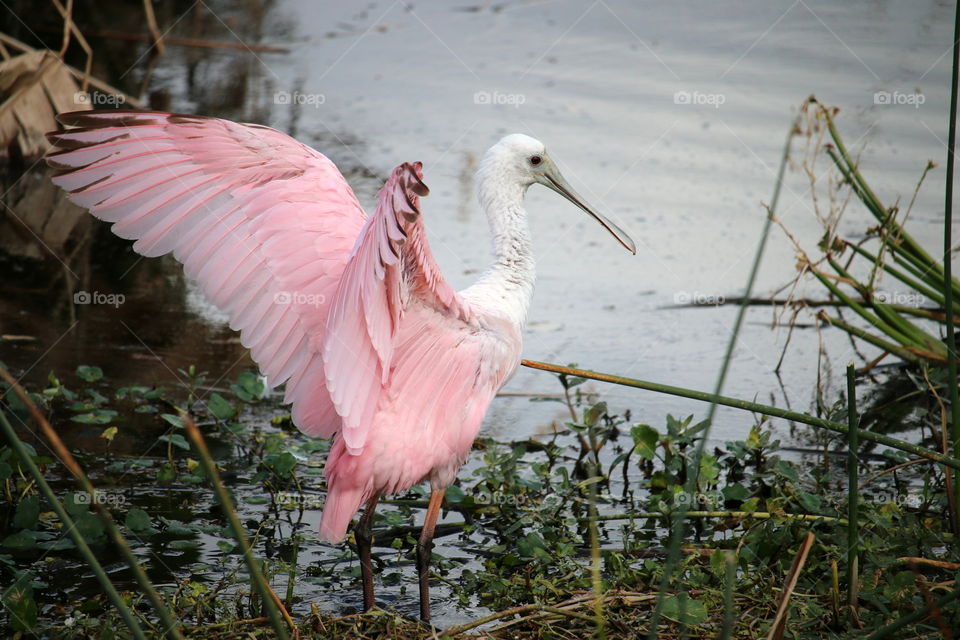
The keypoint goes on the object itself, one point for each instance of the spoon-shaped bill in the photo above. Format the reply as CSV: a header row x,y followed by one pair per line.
x,y
555,181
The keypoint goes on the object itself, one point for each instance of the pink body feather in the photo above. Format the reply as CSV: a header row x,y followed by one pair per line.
x,y
351,312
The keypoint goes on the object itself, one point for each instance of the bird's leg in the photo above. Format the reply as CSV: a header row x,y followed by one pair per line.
x,y
424,547
364,534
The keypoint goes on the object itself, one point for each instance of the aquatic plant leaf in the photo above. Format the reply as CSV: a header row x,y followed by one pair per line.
x,y
787,470
22,608
219,407
167,473
89,526
88,373
735,492
77,503
809,501
454,494
592,415
694,611
28,513
184,545
100,416
176,440
60,544
249,387
173,420
645,440
21,540
138,520
532,545
281,463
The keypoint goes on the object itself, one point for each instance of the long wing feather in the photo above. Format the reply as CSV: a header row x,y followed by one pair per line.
x,y
262,222
390,269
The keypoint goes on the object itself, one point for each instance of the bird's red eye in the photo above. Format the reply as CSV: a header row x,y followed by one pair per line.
x,y
535,160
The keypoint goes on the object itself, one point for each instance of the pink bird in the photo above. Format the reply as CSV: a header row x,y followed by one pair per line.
x,y
351,311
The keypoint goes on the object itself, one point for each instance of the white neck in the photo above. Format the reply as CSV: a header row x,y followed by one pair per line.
x,y
508,283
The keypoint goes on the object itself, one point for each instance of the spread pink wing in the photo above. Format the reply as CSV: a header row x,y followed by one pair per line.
x,y
262,222
391,274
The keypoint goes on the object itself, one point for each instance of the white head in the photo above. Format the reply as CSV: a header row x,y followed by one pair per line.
x,y
518,161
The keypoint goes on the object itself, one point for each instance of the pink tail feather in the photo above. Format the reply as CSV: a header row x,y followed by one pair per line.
x,y
344,493
341,505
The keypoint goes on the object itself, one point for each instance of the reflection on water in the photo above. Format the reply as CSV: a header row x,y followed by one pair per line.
x,y
669,118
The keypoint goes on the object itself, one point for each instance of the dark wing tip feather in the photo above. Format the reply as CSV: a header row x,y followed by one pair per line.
x,y
96,118
414,178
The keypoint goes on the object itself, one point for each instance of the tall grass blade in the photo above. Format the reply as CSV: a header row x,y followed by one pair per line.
x,y
693,476
256,573
853,487
948,253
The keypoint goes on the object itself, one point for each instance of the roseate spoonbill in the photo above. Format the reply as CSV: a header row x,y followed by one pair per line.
x,y
351,311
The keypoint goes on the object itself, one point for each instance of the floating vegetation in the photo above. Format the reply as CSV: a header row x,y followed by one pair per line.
x,y
522,540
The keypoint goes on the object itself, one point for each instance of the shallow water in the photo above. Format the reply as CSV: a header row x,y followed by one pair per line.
x,y
670,118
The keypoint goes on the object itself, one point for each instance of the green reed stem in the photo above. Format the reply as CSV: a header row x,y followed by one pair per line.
x,y
904,241
754,407
679,528
256,573
951,340
853,487
897,350
918,269
909,280
860,310
910,334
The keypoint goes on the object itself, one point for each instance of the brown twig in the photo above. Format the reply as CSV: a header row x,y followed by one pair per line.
x,y
777,627
69,26
190,42
154,29
939,564
76,73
